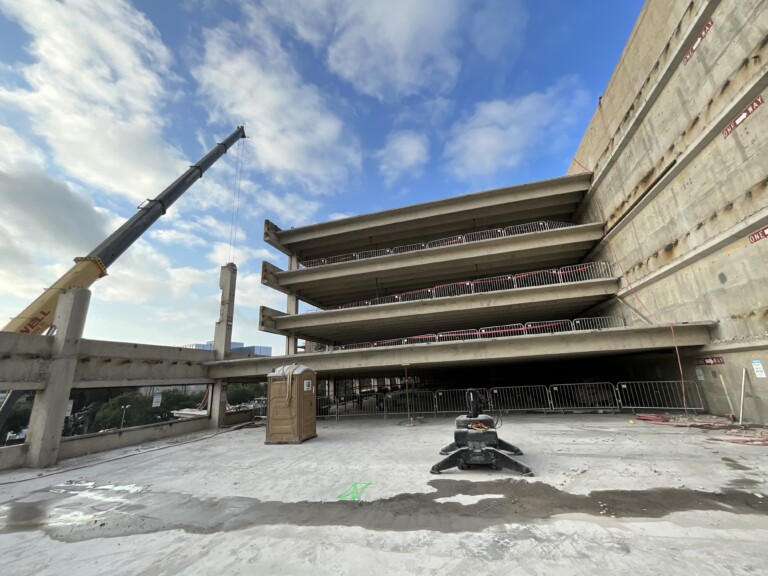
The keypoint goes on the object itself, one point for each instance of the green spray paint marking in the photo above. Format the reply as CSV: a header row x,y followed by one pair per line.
x,y
354,491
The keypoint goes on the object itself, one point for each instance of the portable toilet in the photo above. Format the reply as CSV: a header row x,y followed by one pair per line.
x,y
291,417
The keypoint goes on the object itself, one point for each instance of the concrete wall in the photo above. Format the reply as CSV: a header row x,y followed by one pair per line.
x,y
90,443
12,456
680,192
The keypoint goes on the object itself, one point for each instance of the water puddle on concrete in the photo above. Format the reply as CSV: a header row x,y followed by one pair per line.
x,y
454,506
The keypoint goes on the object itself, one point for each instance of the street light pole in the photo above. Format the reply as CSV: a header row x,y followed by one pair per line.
x,y
124,407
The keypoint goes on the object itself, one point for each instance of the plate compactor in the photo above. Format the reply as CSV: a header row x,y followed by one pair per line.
x,y
476,442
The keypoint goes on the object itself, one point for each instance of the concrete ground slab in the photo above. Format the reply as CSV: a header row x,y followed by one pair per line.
x,y
609,497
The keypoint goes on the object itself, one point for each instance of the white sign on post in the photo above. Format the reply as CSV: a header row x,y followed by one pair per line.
x,y
757,366
157,398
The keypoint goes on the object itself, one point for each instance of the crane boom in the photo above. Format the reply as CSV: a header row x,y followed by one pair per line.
x,y
38,316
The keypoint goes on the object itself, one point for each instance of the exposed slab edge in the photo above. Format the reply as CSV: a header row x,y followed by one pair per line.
x,y
472,352
344,282
269,274
370,224
427,316
271,231
268,318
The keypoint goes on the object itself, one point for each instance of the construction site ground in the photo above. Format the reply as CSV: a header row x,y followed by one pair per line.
x,y
609,497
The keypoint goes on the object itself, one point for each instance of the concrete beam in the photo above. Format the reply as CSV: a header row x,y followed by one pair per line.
x,y
557,301
141,383
364,279
268,320
271,231
596,343
432,220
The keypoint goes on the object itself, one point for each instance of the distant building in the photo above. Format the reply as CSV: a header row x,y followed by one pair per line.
x,y
236,348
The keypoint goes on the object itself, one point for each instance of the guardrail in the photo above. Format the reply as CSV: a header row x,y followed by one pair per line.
x,y
572,273
467,238
503,331
580,396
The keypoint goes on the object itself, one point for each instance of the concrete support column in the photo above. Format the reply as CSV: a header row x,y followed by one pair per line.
x,y
291,342
49,409
222,340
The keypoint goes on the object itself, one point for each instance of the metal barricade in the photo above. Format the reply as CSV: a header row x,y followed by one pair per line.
x,y
356,346
453,400
312,263
585,271
662,394
598,323
583,396
390,342
537,278
373,253
455,289
484,235
502,331
259,406
409,248
455,335
425,294
555,224
417,401
450,241
360,304
340,258
494,283
422,339
323,406
548,327
526,228
358,405
522,398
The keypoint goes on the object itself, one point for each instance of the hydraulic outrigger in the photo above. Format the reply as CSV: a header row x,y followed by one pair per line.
x,y
477,443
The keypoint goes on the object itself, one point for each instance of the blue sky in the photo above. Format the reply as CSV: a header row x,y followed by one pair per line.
x,y
350,107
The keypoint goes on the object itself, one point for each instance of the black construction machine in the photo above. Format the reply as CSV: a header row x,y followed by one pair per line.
x,y
476,442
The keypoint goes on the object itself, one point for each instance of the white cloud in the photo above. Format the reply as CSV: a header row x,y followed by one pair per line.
x,y
384,49
33,205
18,154
95,91
295,136
498,29
221,253
405,153
169,237
340,215
289,209
499,133
252,293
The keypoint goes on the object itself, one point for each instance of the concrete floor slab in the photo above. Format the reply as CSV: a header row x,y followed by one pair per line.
x,y
608,497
